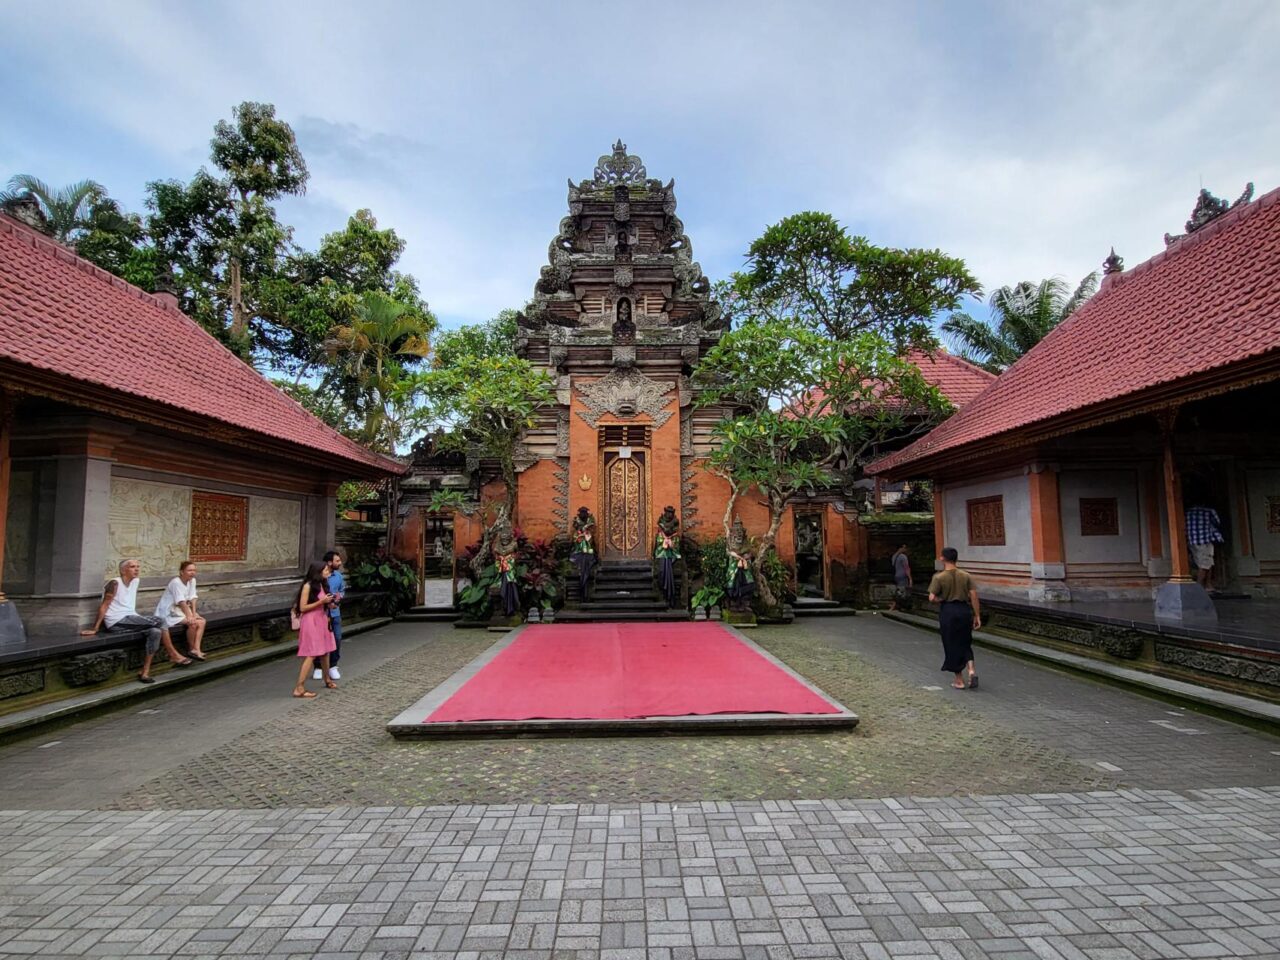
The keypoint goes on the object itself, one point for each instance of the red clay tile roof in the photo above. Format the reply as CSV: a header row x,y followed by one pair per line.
x,y
1176,324
959,380
61,315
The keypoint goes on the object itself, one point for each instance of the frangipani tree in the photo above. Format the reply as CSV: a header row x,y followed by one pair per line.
x,y
787,437
488,402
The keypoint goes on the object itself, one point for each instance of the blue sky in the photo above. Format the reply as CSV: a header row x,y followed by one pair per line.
x,y
1027,138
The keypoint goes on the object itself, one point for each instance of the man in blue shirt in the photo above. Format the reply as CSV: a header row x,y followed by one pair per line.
x,y
335,586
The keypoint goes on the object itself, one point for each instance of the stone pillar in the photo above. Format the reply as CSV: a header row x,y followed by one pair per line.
x,y
1048,562
11,628
1181,598
939,524
80,538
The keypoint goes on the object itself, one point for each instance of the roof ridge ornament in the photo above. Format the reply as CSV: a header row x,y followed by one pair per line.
x,y
1113,264
1207,209
620,167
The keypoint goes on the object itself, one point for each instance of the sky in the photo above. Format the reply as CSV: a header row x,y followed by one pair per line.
x,y
1026,138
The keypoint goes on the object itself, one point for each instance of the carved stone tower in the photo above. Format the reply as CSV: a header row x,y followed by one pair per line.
x,y
620,315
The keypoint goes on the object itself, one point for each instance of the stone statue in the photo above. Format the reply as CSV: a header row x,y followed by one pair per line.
x,y
666,550
740,574
583,552
504,557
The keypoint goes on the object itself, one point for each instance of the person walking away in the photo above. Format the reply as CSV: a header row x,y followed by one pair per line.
x,y
336,586
1204,532
902,581
958,617
315,638
177,605
119,611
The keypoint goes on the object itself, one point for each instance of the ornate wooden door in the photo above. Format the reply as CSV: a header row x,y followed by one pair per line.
x,y
625,506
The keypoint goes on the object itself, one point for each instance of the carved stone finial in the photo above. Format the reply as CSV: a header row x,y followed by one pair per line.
x,y
621,167
1207,209
1113,264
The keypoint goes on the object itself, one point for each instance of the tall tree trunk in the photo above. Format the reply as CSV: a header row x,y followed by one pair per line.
x,y
728,508
766,545
239,322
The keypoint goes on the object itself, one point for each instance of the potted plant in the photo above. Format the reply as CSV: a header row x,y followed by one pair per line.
x,y
548,612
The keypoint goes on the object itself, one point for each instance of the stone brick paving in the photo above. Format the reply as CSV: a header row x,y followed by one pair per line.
x,y
335,750
1101,876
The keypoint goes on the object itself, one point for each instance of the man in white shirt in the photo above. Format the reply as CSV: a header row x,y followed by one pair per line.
x,y
119,611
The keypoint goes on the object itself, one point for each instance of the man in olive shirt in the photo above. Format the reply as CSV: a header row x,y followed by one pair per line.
x,y
958,617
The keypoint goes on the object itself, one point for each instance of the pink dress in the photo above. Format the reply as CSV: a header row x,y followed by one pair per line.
x,y
315,639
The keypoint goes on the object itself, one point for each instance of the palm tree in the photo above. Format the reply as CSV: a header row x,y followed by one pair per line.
x,y
367,362
64,211
1021,316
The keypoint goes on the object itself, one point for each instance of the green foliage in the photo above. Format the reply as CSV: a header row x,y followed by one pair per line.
x,y
496,338
489,401
918,496
806,268
368,363
394,581
349,496
540,576
323,404
450,501
65,211
715,564
1021,316
778,576
707,596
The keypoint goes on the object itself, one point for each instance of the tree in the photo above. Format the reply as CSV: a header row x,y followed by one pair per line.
x,y
1021,316
786,438
488,402
219,234
117,242
64,211
260,157
806,268
494,338
320,290
370,354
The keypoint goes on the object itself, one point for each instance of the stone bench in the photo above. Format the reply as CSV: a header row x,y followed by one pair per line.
x,y
52,666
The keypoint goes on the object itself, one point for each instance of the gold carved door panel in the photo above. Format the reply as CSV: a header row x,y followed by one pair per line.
x,y
625,496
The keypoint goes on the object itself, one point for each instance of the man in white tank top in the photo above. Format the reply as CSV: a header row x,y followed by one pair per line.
x,y
119,611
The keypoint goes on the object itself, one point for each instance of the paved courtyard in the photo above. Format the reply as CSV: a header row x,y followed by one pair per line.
x,y
1042,816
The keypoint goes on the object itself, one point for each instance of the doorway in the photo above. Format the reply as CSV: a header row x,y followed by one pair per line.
x,y
809,555
624,468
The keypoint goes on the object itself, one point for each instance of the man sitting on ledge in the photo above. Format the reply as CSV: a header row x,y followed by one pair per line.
x,y
119,610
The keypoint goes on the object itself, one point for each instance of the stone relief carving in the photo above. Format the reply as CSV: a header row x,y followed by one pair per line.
x,y
625,393
1239,668
562,433
620,167
561,498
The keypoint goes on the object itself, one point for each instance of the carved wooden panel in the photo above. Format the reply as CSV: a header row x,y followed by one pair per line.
x,y
1099,517
624,505
1273,514
986,522
219,526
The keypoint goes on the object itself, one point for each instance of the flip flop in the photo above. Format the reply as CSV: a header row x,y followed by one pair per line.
x,y
199,656
973,683
182,663
305,694
142,679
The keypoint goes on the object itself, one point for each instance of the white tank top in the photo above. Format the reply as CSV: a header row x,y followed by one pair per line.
x,y
124,602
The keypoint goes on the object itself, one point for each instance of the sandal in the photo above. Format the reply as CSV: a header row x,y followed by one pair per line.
x,y
957,686
305,694
331,685
182,663
196,655
973,682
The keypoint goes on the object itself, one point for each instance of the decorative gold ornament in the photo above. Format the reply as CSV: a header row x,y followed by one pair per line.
x,y
584,482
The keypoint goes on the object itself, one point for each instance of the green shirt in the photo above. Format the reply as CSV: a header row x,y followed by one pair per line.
x,y
951,585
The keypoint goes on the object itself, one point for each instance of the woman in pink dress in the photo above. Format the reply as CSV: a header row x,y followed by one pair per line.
x,y
315,638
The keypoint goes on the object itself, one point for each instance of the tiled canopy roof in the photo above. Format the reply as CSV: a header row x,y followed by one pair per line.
x,y
85,334
959,380
1198,316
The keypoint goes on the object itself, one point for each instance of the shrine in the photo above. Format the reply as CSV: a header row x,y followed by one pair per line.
x,y
621,315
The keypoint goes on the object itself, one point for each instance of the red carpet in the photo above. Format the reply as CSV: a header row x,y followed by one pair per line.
x,y
613,671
